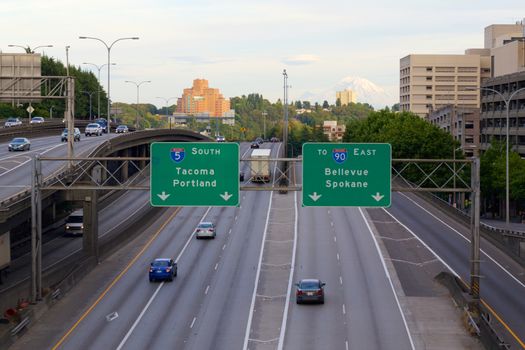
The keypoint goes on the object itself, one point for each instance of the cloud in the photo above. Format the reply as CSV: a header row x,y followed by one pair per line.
x,y
301,60
200,59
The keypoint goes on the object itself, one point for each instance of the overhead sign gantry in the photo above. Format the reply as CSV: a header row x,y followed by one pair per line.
x,y
194,174
347,174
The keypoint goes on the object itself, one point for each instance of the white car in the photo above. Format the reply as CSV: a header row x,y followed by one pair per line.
x,y
93,129
205,230
12,122
36,120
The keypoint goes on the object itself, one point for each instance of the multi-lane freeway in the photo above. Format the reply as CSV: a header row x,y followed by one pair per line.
x,y
222,297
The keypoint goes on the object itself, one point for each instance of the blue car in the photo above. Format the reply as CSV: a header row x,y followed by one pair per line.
x,y
162,269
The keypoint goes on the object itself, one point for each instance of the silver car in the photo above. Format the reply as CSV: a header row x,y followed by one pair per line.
x,y
93,129
205,230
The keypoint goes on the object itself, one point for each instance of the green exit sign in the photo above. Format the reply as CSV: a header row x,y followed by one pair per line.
x,y
194,174
347,174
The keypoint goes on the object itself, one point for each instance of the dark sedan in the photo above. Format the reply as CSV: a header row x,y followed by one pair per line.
x,y
19,144
122,129
310,290
254,145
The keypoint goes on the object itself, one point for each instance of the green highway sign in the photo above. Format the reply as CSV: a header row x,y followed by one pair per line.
x,y
194,174
347,174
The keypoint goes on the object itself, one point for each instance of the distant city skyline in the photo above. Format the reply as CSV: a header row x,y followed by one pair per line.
x,y
242,47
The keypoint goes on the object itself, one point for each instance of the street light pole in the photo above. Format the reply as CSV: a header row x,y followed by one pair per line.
x,y
507,105
98,94
137,85
89,93
167,100
285,131
28,49
264,114
108,47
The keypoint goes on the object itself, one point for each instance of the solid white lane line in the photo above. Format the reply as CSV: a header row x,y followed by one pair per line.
x,y
206,291
290,280
344,309
193,322
387,274
140,316
468,240
346,344
128,334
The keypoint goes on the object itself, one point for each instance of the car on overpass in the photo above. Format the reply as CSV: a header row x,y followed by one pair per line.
x,y
254,145
205,229
309,290
103,124
93,129
36,120
162,269
122,129
76,135
19,144
10,122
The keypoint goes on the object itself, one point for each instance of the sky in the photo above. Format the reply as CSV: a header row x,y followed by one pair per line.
x,y
242,46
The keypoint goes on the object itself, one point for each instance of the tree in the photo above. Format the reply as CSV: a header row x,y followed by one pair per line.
x,y
298,104
325,104
338,102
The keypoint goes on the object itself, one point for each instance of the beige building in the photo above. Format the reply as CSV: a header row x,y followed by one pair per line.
x,y
430,82
333,131
345,97
462,123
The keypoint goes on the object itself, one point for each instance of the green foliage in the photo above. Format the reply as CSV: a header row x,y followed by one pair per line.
x,y
411,138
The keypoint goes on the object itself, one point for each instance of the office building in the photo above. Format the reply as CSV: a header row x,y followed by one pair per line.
x,y
431,82
201,99
462,123
493,116
345,97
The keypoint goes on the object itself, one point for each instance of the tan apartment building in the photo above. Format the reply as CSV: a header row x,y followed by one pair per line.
x,y
202,99
333,131
345,97
430,82
507,47
462,123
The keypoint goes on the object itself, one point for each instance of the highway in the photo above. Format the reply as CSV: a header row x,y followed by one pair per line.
x,y
207,304
210,303
503,280
15,167
360,311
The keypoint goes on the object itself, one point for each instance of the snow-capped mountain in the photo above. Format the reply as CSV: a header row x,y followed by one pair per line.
x,y
365,90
